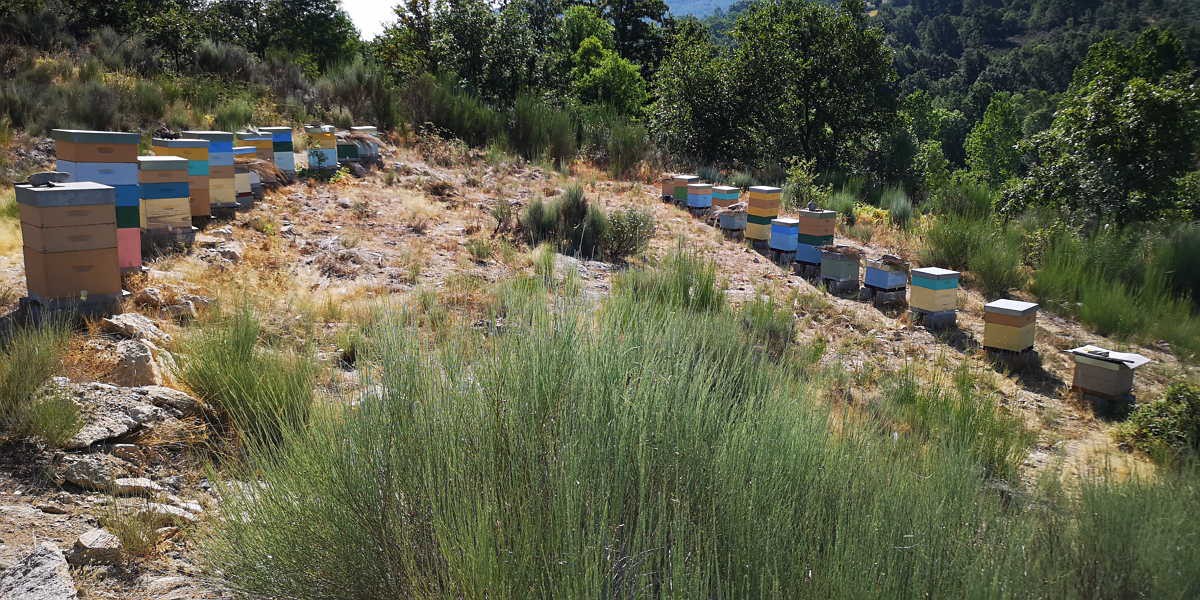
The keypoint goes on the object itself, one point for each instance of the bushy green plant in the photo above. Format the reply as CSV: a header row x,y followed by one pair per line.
x,y
261,391
899,207
53,417
768,322
29,356
569,221
480,249
741,179
1167,428
844,203
996,263
628,233
234,115
951,241
684,281
627,146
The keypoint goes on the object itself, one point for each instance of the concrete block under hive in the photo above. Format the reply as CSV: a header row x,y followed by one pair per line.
x,y
762,206
724,196
1009,325
933,290
699,195
70,241
195,150
680,185
1104,372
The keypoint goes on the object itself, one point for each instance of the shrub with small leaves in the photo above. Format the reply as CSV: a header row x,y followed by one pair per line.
x,y
1169,427
629,232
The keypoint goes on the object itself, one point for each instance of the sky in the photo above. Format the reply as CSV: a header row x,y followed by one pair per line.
x,y
370,16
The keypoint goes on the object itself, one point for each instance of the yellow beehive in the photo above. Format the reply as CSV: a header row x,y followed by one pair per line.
x,y
1009,325
162,213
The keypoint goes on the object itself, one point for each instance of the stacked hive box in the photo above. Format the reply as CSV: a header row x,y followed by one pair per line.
x,y
241,176
668,188
109,158
1009,325
222,191
680,187
934,290
166,197
196,153
70,238
281,145
886,275
724,196
699,196
322,147
816,230
840,268
261,142
784,235
763,206
347,150
1103,372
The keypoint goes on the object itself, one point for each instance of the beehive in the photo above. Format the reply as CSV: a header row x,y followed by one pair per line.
x,y
261,142
1104,372
195,150
699,195
886,274
680,187
222,191
724,196
762,206
1009,325
933,290
322,147
241,175
840,264
109,158
816,230
784,233
281,145
166,197
69,234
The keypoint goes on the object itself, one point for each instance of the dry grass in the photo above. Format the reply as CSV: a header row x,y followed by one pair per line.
x,y
10,226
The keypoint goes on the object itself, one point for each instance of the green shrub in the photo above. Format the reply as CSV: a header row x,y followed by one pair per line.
x,y
768,323
951,241
627,146
844,203
684,281
995,263
899,207
262,392
709,173
641,451
29,357
628,233
574,226
1179,256
51,417
1167,428
741,179
480,249
451,109
234,115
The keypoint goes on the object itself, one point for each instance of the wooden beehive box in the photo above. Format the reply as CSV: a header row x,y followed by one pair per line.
x,y
933,289
70,239
840,263
699,195
1104,372
1009,325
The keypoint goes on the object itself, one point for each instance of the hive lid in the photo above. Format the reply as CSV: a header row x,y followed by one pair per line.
x,y
84,136
725,189
765,189
364,129
179,143
240,150
319,129
700,187
819,213
162,163
786,222
935,273
212,136
1014,308
1128,359
251,136
68,193
688,178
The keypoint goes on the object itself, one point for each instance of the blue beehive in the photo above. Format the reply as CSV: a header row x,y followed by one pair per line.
x,y
785,234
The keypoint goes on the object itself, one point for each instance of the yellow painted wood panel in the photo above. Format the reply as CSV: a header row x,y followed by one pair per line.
x,y
166,212
1008,338
755,231
933,300
188,153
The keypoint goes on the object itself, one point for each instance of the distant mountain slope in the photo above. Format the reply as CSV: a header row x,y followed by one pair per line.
x,y
697,8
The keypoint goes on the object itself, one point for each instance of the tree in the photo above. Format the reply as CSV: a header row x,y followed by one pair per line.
x,y
1124,135
812,82
581,22
991,146
638,29
601,76
695,114
318,29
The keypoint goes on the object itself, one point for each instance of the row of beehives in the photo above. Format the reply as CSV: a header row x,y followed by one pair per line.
x,y
328,147
806,245
106,206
